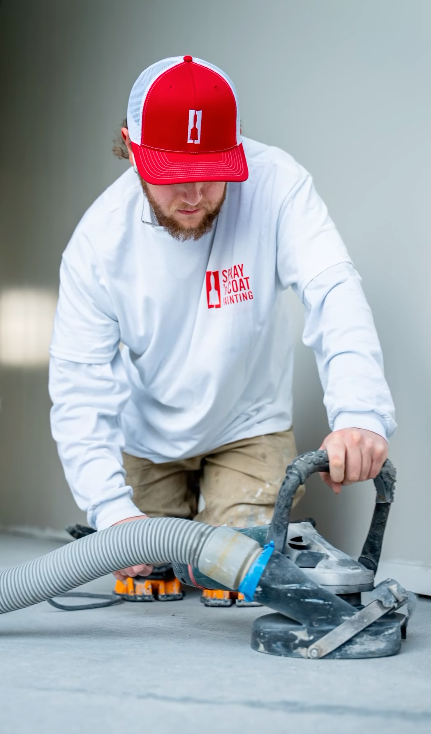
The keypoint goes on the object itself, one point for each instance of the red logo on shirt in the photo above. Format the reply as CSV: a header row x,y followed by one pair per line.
x,y
236,287
213,289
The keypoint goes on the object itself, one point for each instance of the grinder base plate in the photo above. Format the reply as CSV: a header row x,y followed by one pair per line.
x,y
275,634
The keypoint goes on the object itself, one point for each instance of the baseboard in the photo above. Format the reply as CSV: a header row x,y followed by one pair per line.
x,y
60,536
413,575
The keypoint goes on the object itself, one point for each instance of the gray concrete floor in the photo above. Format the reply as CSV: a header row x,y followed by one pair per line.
x,y
181,667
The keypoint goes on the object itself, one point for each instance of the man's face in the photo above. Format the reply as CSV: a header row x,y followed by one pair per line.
x,y
186,210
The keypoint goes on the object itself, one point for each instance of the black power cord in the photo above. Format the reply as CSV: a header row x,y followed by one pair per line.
x,y
110,601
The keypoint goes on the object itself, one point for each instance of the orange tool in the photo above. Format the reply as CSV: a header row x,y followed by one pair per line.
x,y
149,589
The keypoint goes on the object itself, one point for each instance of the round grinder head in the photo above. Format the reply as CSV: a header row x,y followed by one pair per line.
x,y
275,634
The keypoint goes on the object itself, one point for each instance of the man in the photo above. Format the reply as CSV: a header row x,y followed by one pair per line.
x,y
184,260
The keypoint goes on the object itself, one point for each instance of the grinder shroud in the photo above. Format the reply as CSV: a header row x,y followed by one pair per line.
x,y
325,564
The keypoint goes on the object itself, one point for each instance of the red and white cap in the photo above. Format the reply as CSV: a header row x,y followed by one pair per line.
x,y
184,124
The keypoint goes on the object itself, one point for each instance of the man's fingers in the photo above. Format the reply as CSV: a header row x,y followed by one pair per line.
x,y
380,454
141,570
326,477
353,464
337,458
118,575
375,468
366,466
336,455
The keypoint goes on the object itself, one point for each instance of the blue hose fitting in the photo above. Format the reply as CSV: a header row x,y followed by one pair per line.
x,y
251,579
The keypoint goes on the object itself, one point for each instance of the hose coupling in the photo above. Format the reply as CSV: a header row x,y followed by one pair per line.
x,y
227,556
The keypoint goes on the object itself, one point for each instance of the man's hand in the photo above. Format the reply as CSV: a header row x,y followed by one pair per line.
x,y
355,455
143,569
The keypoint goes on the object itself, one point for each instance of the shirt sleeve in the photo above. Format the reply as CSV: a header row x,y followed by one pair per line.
x,y
307,240
87,401
85,327
312,258
88,389
340,329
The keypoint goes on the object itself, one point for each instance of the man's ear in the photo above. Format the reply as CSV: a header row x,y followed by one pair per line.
x,y
126,137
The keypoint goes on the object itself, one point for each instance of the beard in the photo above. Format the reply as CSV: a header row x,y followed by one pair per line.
x,y
176,230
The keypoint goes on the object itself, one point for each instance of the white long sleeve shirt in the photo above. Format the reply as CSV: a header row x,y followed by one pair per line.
x,y
208,353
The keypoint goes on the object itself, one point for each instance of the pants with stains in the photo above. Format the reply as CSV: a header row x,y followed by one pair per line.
x,y
236,484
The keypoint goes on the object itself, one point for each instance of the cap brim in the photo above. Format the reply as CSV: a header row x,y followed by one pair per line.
x,y
160,167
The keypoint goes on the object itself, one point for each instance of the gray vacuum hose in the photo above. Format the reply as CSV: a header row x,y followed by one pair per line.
x,y
219,552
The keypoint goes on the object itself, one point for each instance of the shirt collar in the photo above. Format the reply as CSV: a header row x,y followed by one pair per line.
x,y
147,216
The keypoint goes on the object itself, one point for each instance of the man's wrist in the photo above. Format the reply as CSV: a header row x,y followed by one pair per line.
x,y
369,421
112,511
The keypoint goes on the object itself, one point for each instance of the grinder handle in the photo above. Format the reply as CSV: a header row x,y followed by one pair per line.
x,y
317,461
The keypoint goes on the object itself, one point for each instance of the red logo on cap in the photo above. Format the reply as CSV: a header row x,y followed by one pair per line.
x,y
195,122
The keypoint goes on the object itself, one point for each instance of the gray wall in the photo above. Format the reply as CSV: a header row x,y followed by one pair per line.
x,y
342,85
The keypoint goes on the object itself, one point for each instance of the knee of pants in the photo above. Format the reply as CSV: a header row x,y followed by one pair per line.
x,y
240,514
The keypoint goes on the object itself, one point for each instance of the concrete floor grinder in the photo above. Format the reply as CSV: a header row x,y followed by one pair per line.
x,y
323,616
314,589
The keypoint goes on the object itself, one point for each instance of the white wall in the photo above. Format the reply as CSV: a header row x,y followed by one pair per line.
x,y
342,85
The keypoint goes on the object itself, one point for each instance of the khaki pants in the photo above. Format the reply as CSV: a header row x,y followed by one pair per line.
x,y
239,482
